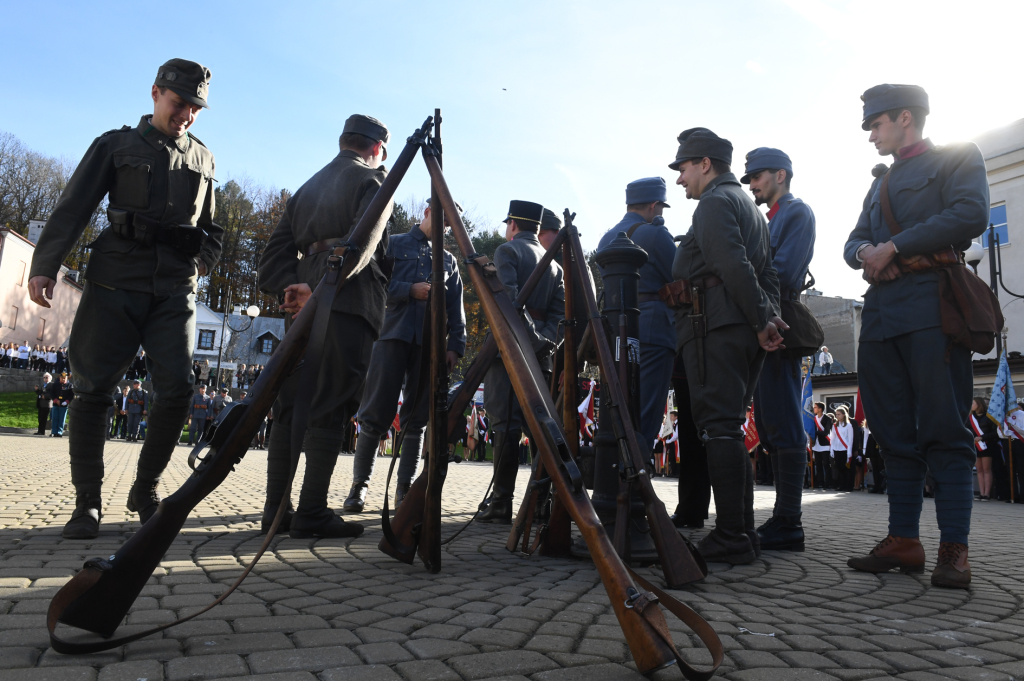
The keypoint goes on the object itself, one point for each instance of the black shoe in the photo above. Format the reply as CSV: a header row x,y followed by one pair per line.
x,y
498,511
755,542
85,522
268,519
401,489
679,521
781,533
726,546
356,498
454,458
144,500
331,528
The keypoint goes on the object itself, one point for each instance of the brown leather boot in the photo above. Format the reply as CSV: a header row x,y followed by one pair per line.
x,y
952,571
902,553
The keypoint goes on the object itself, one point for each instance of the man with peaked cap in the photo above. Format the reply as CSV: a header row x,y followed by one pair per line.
x,y
645,200
550,225
318,218
141,279
138,408
544,310
395,359
917,384
777,407
726,294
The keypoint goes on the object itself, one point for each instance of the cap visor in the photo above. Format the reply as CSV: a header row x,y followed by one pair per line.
x,y
188,97
745,179
674,165
663,204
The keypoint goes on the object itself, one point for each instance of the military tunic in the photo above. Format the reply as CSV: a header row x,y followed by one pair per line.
x,y
137,406
917,388
657,323
198,412
515,261
395,358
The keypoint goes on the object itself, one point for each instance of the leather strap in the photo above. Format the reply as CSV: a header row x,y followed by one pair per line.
x,y
649,297
631,230
537,315
676,293
320,247
697,624
890,219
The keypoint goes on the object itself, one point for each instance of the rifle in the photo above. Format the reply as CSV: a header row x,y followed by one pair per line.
x,y
641,620
99,596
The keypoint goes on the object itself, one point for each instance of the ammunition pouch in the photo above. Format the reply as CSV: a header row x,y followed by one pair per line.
x,y
136,227
678,293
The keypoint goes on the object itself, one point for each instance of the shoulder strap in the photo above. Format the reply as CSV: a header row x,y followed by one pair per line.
x,y
890,219
635,227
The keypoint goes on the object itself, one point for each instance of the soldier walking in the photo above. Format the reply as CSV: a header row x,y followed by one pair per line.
x,y
198,412
141,280
395,359
545,309
318,218
917,385
138,406
777,409
726,321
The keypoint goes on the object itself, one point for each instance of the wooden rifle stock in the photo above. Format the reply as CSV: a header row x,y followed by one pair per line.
x,y
100,595
679,562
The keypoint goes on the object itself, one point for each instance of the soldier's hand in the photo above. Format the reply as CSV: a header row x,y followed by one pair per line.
x,y
769,337
451,358
876,261
295,297
419,291
38,286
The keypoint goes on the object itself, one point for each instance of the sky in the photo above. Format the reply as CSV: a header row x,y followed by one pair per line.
x,y
562,103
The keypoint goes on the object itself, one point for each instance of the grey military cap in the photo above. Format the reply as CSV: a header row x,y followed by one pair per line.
x,y
190,80
368,126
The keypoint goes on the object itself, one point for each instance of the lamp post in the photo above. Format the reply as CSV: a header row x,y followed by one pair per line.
x,y
995,265
251,313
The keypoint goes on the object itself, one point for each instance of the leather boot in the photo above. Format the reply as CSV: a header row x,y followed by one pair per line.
x,y
952,571
902,553
729,469
314,518
162,434
279,462
401,489
755,542
85,521
270,512
782,533
144,500
329,527
506,465
356,498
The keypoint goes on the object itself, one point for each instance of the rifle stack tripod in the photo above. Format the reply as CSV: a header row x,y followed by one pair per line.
x,y
98,598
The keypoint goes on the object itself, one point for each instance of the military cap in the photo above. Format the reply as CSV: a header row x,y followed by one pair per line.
x,y
647,190
133,382
886,97
368,126
701,143
458,206
550,221
191,81
766,158
525,211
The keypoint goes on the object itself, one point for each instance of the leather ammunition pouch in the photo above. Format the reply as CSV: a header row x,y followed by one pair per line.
x,y
386,264
678,293
805,335
136,227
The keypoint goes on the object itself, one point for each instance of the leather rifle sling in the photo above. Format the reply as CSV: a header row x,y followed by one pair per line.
x,y
88,576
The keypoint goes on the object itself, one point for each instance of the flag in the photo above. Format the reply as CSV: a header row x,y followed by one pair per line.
x,y
586,410
750,436
1002,405
807,402
858,409
397,423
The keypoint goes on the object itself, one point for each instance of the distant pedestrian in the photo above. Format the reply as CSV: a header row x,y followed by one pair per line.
x,y
62,394
43,402
825,360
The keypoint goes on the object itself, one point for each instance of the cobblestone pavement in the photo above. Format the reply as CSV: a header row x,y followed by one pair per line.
x,y
339,610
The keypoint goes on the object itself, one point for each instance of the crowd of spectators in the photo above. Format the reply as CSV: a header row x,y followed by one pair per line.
x,y
33,358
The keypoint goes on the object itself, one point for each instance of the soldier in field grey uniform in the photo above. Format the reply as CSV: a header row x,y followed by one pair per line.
x,y
141,279
545,309
137,407
318,218
198,412
726,257
396,360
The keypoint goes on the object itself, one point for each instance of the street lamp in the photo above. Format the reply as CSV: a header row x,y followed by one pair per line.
x,y
251,313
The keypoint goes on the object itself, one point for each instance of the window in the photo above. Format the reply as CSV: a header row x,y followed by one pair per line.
x,y
21,277
997,217
267,346
42,327
14,317
206,339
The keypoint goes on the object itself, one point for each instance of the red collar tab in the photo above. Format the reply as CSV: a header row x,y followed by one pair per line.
x,y
774,209
913,150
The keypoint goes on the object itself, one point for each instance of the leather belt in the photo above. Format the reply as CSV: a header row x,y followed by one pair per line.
x,y
677,293
649,297
789,294
320,247
538,315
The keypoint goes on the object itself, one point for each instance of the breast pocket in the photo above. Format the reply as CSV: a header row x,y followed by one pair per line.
x,y
915,200
199,179
132,178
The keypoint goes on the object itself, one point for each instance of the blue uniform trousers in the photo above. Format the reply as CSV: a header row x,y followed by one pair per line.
x,y
57,417
655,378
781,429
917,405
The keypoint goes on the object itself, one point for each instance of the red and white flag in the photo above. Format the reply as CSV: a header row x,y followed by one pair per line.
x,y
586,410
750,437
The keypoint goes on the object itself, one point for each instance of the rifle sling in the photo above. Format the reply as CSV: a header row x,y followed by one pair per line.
x,y
89,575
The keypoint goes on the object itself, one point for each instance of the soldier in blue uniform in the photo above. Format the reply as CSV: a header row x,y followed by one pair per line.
x,y
645,201
198,412
726,321
544,311
777,409
395,359
916,384
138,407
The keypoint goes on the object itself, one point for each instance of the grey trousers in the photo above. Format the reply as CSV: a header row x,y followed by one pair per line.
x,y
133,424
392,363
195,430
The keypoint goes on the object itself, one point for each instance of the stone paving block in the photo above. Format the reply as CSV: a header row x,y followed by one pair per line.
x,y
375,635
426,670
597,672
287,623
50,674
484,665
12,658
442,631
855,660
151,670
319,638
982,655
807,642
494,637
517,624
205,667
440,649
235,643
373,672
383,653
611,650
905,662
780,675
575,659
162,650
51,658
301,659
756,658
976,674
803,659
